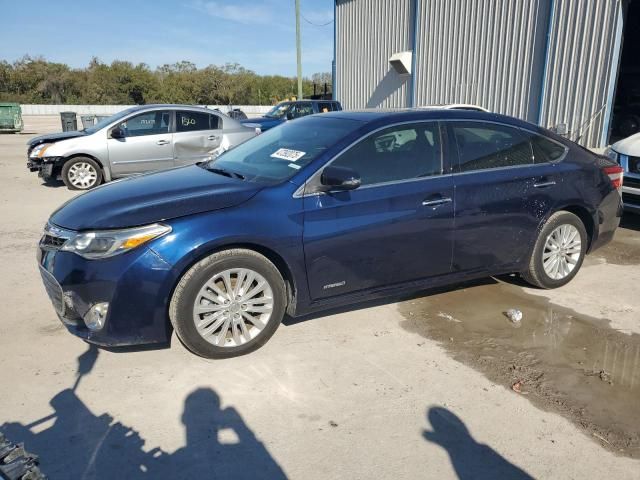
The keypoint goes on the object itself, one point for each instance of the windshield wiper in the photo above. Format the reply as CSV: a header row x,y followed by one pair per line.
x,y
226,173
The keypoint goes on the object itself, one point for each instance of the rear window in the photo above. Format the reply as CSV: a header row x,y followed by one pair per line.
x,y
486,146
545,150
280,152
187,121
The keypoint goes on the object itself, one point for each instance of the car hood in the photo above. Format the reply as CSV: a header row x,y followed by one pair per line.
x,y
153,198
54,137
264,122
628,146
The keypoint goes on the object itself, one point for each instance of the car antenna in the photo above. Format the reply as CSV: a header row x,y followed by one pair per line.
x,y
589,122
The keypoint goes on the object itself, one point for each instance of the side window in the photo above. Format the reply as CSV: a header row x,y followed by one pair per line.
x,y
193,121
324,107
545,150
397,153
483,146
215,122
301,110
150,123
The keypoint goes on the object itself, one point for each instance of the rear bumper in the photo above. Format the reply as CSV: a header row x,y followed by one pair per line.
x,y
606,220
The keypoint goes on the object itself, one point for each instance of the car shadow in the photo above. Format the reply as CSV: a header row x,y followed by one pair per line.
x,y
53,183
75,442
470,459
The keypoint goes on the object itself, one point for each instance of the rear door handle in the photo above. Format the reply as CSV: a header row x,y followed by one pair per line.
x,y
436,201
162,142
212,137
544,183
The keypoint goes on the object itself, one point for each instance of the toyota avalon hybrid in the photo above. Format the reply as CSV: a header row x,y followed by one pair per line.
x,y
328,210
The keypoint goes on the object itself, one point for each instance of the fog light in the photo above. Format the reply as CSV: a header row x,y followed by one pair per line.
x,y
95,317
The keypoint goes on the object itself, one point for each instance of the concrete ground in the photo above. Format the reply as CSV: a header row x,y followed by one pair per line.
x,y
347,395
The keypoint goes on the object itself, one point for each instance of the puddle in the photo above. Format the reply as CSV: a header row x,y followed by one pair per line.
x,y
565,362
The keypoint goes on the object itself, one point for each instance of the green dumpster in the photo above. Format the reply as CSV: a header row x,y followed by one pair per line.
x,y
10,117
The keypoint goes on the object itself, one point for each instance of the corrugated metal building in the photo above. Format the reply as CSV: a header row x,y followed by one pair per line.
x,y
550,62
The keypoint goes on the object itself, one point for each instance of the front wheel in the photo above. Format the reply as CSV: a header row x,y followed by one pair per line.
x,y
81,173
558,253
228,304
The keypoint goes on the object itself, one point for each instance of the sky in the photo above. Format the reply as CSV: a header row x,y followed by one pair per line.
x,y
258,34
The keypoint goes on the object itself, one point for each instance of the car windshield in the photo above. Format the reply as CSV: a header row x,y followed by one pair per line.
x,y
277,154
106,121
278,111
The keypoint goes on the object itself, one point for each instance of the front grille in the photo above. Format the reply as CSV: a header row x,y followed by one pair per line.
x,y
629,181
52,242
54,290
54,237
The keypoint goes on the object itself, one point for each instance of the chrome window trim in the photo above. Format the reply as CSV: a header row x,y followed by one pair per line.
x,y
299,193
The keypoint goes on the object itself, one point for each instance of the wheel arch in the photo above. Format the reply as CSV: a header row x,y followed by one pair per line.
x,y
269,253
586,218
106,172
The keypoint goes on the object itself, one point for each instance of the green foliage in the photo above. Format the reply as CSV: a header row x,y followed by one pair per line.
x,y
35,80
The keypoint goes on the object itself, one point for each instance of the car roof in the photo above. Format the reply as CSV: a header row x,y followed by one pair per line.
x,y
393,115
308,100
172,106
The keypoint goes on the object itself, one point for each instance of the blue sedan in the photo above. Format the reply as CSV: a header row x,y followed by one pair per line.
x,y
328,210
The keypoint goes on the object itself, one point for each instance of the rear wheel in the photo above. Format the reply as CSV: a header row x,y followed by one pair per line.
x,y
228,304
81,173
559,251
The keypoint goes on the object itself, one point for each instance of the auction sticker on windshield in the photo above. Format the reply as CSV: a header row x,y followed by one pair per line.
x,y
287,154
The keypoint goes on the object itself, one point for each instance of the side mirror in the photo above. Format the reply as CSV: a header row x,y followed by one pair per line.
x,y
290,115
340,178
117,133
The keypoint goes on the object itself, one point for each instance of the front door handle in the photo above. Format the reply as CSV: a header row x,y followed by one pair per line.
x,y
212,137
162,142
544,183
436,201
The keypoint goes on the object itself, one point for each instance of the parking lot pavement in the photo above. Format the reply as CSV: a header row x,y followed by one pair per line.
x,y
418,389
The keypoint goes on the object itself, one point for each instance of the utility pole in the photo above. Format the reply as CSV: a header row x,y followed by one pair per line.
x,y
298,50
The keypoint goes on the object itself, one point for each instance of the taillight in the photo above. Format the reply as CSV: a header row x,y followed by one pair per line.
x,y
615,174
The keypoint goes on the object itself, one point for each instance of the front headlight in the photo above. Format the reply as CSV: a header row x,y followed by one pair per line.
x,y
39,150
107,243
611,153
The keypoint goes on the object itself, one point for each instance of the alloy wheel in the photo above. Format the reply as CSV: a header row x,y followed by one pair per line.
x,y
562,250
233,307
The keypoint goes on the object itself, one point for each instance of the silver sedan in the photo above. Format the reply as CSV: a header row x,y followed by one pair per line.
x,y
137,140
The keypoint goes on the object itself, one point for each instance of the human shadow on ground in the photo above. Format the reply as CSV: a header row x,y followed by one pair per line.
x,y
470,459
73,442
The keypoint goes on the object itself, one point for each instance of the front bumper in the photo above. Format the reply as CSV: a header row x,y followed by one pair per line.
x,y
136,284
46,169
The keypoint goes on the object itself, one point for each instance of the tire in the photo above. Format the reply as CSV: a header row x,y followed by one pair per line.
x,y
266,308
547,278
81,173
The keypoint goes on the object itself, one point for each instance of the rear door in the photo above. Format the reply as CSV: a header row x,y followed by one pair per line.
x,y
502,194
197,135
396,227
147,145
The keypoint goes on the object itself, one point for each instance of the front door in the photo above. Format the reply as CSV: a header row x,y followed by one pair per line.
x,y
396,227
147,145
196,137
